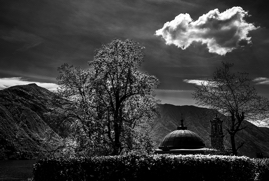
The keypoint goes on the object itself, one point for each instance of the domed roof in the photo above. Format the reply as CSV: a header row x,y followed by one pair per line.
x,y
182,139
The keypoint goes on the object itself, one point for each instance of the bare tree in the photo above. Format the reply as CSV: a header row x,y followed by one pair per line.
x,y
234,95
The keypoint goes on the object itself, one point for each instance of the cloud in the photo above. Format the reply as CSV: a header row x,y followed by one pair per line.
x,y
196,82
220,32
261,80
12,81
260,123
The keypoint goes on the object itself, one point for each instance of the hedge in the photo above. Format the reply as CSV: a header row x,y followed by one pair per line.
x,y
147,167
262,169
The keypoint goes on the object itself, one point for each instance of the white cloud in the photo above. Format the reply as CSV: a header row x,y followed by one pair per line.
x,y
196,82
12,81
221,32
261,80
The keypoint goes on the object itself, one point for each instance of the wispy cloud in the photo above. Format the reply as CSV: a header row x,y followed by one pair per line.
x,y
221,32
27,39
12,81
196,81
260,123
175,97
261,80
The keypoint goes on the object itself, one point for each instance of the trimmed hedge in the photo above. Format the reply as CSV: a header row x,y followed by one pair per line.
x,y
262,169
147,167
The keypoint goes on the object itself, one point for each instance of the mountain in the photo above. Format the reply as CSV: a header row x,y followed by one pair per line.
x,y
28,121
198,120
31,124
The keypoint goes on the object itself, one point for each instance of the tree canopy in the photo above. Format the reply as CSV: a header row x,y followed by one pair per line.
x,y
112,101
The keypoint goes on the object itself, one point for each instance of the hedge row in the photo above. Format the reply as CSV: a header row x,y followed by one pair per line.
x,y
262,169
147,167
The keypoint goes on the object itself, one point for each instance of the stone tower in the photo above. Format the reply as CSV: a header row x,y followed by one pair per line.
x,y
216,134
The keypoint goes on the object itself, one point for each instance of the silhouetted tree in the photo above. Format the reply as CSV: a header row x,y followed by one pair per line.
x,y
112,101
233,95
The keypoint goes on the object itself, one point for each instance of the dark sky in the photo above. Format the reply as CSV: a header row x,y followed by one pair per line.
x,y
36,37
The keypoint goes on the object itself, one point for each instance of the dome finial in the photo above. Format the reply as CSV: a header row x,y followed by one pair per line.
x,y
181,127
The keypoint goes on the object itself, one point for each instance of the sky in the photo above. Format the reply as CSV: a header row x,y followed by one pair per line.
x,y
184,40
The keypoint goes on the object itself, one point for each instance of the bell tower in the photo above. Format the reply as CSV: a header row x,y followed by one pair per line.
x,y
216,134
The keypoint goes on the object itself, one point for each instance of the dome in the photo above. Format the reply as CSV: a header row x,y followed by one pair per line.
x,y
182,139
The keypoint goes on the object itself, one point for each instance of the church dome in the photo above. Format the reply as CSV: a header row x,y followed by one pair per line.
x,y
182,139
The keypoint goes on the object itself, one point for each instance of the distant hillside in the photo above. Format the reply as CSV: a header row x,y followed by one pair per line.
x,y
29,116
198,120
31,123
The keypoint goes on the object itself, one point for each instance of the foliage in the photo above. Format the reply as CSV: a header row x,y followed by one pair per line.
x,y
112,101
233,95
147,167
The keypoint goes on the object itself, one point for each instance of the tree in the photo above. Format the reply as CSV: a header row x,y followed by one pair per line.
x,y
112,101
233,95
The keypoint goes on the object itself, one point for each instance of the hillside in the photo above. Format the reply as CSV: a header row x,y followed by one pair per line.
x,y
31,124
28,117
198,120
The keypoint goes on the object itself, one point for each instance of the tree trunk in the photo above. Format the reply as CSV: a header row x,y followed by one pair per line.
x,y
234,150
232,133
116,145
129,141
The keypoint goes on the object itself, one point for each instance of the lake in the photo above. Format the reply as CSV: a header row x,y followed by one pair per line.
x,y
16,170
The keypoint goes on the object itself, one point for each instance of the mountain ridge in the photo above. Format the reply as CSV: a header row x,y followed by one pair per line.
x,y
30,126
198,120
24,126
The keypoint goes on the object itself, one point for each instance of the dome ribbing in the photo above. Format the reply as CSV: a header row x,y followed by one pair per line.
x,y
182,139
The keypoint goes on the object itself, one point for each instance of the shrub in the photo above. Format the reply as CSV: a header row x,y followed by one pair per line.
x,y
147,167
